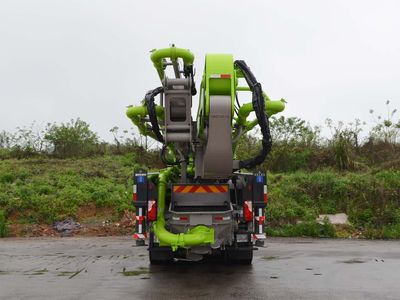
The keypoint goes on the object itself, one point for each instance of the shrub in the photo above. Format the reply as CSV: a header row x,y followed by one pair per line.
x,y
3,224
309,229
386,129
71,139
371,200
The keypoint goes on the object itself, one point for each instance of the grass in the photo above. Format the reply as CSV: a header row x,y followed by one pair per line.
x,y
44,190
47,190
3,224
370,199
309,229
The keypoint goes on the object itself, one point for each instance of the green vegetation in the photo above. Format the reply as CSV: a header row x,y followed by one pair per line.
x,y
370,199
71,139
51,174
310,229
46,190
43,190
3,224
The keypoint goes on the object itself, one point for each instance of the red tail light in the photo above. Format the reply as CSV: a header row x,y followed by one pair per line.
x,y
248,211
180,218
221,218
134,197
151,210
265,194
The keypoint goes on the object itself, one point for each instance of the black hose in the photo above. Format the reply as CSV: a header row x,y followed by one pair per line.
x,y
151,110
262,117
237,100
188,71
164,160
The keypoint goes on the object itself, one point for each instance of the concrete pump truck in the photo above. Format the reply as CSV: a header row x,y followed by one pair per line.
x,y
202,203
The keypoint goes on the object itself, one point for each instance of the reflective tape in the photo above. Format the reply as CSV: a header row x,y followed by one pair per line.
x,y
139,236
259,236
200,189
134,197
220,76
221,218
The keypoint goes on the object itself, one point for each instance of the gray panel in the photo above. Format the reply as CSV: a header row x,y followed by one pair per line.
x,y
201,199
218,154
200,220
178,103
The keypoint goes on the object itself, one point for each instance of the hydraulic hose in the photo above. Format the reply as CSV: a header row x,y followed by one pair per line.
x,y
137,113
158,56
258,103
165,150
151,109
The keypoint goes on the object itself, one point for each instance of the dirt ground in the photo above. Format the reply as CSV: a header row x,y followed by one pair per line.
x,y
93,222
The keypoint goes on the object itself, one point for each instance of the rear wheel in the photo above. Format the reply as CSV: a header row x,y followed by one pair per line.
x,y
239,255
159,255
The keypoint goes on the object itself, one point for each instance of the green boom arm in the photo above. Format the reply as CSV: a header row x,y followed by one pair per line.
x,y
158,56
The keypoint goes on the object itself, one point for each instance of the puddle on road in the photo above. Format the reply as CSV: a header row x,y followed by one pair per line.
x,y
76,273
37,272
65,273
4,272
140,271
353,261
275,257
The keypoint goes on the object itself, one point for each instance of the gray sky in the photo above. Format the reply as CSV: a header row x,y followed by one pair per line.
x,y
90,59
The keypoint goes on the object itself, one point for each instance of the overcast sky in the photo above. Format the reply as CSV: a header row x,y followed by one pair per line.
x,y
90,59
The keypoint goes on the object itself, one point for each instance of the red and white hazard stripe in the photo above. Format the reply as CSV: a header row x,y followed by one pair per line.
x,y
220,76
139,236
260,218
258,236
140,218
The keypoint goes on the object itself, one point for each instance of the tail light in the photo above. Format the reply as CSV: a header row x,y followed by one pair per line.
x,y
180,218
221,218
151,210
248,211
134,196
265,194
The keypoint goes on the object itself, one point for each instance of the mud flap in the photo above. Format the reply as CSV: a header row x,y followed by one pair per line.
x,y
239,255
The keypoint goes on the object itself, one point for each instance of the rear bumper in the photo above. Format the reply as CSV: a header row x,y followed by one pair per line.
x,y
221,221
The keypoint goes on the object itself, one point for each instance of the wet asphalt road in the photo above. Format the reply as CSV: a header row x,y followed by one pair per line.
x,y
93,268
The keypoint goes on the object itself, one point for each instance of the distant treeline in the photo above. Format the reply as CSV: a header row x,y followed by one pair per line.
x,y
296,144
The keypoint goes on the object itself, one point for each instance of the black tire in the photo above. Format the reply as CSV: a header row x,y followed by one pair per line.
x,y
159,255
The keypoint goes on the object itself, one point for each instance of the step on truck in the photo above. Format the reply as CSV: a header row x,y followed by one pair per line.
x,y
206,201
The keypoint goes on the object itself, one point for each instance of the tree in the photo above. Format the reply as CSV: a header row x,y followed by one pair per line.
x,y
70,139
